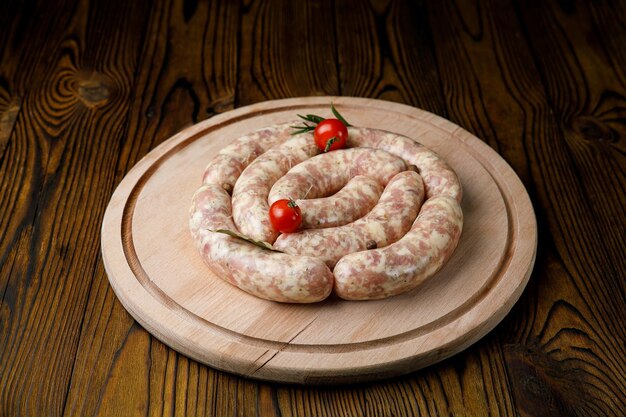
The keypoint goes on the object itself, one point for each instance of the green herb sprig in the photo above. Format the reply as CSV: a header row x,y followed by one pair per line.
x,y
310,121
259,243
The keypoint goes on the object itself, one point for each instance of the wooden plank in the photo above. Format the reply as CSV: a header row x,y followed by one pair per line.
x,y
385,52
11,14
575,336
187,72
588,104
71,106
20,178
488,66
280,59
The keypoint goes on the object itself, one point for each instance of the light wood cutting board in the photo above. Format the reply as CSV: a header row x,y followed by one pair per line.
x,y
158,275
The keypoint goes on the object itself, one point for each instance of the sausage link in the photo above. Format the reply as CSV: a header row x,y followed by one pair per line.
x,y
230,162
327,173
403,265
388,221
439,178
350,203
262,273
249,202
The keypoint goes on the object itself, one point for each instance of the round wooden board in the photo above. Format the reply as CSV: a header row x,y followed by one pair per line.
x,y
158,275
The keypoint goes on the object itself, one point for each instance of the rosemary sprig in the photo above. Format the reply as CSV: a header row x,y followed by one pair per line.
x,y
302,129
259,243
315,120
311,118
305,126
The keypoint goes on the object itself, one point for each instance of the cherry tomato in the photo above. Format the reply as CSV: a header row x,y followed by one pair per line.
x,y
285,216
330,130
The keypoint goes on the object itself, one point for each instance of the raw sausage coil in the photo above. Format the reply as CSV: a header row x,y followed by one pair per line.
x,y
361,240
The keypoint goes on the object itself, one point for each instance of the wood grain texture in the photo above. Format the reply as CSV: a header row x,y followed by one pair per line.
x,y
538,81
584,208
167,97
500,69
384,63
280,59
75,91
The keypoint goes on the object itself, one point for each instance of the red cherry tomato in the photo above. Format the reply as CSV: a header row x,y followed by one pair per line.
x,y
285,216
330,130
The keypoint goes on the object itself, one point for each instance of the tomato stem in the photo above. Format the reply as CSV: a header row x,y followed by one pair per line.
x,y
329,143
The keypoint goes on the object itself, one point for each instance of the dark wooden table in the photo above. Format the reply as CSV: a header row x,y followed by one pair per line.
x,y
88,88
